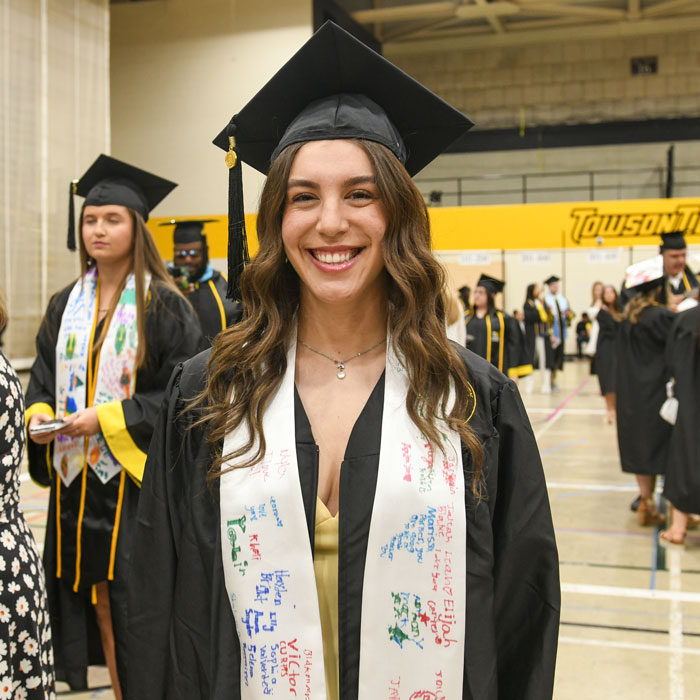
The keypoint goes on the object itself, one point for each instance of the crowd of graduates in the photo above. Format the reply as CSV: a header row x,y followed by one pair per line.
x,y
643,342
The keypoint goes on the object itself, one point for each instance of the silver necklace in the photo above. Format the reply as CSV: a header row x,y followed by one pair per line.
x,y
340,364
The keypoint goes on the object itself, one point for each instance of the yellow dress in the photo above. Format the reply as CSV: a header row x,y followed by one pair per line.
x,y
326,571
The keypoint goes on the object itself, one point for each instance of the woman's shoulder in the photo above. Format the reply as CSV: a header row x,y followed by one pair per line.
x,y
687,322
191,376
486,380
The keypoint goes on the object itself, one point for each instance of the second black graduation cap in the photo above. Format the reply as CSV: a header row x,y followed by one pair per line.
x,y
188,230
334,87
673,241
112,181
491,283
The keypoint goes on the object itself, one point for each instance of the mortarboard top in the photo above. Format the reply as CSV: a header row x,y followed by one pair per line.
x,y
673,241
111,181
334,87
188,230
491,284
645,275
371,99
552,278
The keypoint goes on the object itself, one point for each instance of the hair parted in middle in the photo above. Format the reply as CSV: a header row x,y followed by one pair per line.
x,y
248,360
145,259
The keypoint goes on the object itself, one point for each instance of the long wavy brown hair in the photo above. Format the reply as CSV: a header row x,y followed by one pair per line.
x,y
145,258
639,302
249,359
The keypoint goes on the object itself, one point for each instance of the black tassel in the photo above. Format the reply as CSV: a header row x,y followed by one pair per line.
x,y
71,217
238,256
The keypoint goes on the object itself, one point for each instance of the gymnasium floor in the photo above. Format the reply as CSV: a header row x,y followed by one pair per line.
x,y
630,609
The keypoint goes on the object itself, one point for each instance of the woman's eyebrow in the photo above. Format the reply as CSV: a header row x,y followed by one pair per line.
x,y
350,182
360,180
299,182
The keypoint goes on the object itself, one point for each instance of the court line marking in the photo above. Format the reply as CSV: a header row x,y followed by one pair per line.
x,y
675,630
556,414
622,592
575,486
623,645
550,422
572,411
563,446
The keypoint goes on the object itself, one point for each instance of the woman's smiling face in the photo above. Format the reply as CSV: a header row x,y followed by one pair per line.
x,y
334,223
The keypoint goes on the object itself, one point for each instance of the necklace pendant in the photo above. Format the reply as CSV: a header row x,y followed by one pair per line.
x,y
341,370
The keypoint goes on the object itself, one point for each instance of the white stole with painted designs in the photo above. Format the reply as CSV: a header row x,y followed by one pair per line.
x,y
413,604
116,373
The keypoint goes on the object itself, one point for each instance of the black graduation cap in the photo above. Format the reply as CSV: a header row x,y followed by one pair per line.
x,y
112,181
491,284
673,241
188,230
334,87
552,278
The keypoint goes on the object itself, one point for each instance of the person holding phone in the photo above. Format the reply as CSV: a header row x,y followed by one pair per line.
x,y
105,350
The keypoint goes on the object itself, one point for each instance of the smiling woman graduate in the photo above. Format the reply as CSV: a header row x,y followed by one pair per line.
x,y
105,350
338,502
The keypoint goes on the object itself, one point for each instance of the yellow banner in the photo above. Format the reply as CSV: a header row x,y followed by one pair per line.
x,y
516,226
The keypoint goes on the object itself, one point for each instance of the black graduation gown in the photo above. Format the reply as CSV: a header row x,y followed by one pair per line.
x,y
182,636
534,328
682,481
214,310
172,336
507,350
606,352
642,434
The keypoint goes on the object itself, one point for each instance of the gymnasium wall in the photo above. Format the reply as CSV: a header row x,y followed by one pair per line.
x,y
563,81
54,121
180,70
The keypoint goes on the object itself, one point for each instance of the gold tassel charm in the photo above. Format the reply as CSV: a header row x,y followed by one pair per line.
x,y
231,157
74,183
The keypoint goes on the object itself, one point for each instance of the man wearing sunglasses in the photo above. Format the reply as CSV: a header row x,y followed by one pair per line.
x,y
204,286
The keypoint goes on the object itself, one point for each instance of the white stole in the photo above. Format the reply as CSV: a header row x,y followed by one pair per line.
x,y
116,372
413,605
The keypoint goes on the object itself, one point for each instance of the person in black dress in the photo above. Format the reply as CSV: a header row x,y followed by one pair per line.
x,y
682,480
26,652
608,320
643,436
344,259
105,350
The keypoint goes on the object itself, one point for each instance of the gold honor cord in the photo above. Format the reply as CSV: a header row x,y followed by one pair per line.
x,y
219,303
488,337
501,344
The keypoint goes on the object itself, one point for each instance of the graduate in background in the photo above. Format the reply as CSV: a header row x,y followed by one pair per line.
x,y
682,480
643,436
204,287
558,307
105,350
299,555
496,336
538,345
677,274
605,329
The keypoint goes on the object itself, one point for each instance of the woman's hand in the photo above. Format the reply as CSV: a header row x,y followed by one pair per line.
x,y
41,438
82,423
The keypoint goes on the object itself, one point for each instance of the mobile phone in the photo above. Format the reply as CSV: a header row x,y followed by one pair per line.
x,y
48,427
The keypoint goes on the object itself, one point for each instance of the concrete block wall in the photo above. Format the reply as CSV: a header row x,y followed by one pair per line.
x,y
572,82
